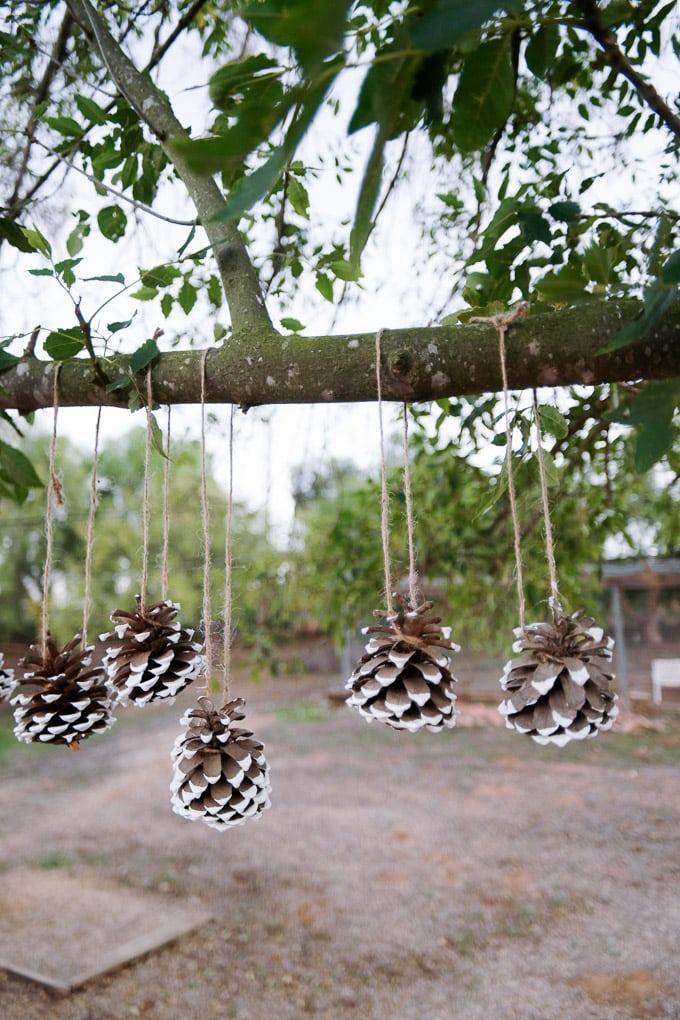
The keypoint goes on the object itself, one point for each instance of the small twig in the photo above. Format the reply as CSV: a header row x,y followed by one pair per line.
x,y
87,334
30,346
118,194
620,64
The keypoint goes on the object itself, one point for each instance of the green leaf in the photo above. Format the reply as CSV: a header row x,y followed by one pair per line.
x,y
345,270
8,360
485,95
121,382
41,272
447,21
145,294
112,222
157,436
167,301
261,181
312,29
37,241
651,412
553,421
15,235
65,126
160,276
107,278
658,299
91,110
534,225
294,325
542,50
565,211
115,327
368,197
563,287
324,285
187,297
17,467
670,271
144,355
238,76
214,291
64,343
298,197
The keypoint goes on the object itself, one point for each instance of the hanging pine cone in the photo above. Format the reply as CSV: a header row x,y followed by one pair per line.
x,y
220,773
7,681
403,679
67,700
561,687
151,657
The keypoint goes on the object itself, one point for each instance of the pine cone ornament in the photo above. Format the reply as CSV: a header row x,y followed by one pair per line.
x,y
561,687
66,700
220,773
151,657
404,679
7,681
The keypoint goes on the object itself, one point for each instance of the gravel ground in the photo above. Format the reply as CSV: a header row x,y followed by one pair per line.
x,y
468,875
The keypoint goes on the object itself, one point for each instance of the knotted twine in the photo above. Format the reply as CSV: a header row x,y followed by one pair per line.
x,y
89,537
410,520
146,508
502,323
54,494
205,520
384,492
549,541
228,566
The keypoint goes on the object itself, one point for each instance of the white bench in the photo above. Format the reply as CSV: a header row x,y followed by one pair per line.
x,y
665,673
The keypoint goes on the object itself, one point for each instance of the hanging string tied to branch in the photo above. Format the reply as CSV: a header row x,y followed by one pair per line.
x,y
89,538
146,507
502,323
228,566
165,555
410,520
205,520
549,538
384,492
54,495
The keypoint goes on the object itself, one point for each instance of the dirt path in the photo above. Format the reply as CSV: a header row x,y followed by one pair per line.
x,y
468,875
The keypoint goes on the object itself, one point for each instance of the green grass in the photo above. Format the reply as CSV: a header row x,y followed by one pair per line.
x,y
54,861
302,712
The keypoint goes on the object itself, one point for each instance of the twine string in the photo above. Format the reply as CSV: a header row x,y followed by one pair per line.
x,y
53,494
549,539
384,493
502,328
410,519
146,507
205,520
165,555
89,538
228,565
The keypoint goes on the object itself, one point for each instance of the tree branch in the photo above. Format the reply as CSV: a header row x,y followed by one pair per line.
x,y
620,63
41,93
551,349
241,285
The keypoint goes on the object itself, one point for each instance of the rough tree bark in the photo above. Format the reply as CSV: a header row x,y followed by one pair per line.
x,y
555,349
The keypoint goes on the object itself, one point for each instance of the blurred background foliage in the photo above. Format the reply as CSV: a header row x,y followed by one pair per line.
x,y
325,576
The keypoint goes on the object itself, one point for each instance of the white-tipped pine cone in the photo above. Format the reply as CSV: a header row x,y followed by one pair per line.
x,y
149,655
404,679
61,699
220,775
7,681
561,686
